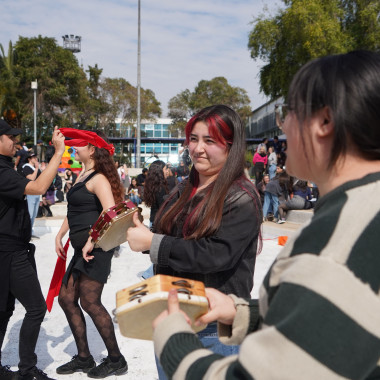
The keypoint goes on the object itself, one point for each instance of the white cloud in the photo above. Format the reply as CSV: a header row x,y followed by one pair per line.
x,y
183,41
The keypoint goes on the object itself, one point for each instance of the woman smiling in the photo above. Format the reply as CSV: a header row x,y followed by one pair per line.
x,y
208,229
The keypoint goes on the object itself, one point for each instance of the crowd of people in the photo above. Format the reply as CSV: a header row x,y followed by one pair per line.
x,y
279,192
317,314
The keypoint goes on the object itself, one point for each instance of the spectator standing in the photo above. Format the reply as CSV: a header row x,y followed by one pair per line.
x,y
272,162
31,171
70,178
260,161
276,145
170,178
21,158
141,182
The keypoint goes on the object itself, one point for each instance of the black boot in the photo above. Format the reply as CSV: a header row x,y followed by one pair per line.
x,y
107,368
34,374
47,208
40,212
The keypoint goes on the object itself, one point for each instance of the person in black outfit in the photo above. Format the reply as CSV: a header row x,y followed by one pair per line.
x,y
97,188
208,229
155,188
142,177
18,275
21,158
170,179
32,172
182,171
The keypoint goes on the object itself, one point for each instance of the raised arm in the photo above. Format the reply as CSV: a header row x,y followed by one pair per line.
x,y
42,183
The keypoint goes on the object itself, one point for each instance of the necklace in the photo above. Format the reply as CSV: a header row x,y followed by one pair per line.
x,y
88,170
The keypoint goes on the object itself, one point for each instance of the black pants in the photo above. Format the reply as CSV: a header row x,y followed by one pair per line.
x,y
258,169
25,287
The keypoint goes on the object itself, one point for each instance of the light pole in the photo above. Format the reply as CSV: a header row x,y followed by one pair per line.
x,y
138,143
34,88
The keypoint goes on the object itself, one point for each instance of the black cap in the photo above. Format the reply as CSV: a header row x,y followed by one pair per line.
x,y
31,154
6,129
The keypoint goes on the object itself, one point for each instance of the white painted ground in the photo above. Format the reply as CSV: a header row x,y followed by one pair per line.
x,y
56,344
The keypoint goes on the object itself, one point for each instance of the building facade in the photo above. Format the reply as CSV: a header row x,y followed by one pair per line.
x,y
262,122
156,142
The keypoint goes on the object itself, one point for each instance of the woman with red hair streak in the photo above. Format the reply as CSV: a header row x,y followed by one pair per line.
x,y
208,230
96,189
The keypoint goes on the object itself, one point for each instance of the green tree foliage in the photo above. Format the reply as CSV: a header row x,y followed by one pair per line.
x,y
304,30
66,96
207,93
10,106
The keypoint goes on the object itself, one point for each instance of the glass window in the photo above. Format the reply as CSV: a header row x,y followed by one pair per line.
x,y
149,148
157,126
165,148
157,148
165,133
142,127
174,149
157,133
142,148
149,133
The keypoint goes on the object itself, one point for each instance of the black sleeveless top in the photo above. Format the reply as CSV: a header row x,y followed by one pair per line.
x,y
83,211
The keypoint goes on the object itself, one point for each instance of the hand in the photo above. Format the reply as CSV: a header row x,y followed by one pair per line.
x,y
58,141
139,237
222,308
173,307
89,246
59,248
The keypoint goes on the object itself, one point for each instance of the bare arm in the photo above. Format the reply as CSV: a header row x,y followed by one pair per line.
x,y
42,183
58,239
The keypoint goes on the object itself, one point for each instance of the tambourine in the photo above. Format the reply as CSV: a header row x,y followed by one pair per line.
x,y
138,305
109,231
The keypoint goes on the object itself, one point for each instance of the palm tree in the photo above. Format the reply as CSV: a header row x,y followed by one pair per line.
x,y
9,103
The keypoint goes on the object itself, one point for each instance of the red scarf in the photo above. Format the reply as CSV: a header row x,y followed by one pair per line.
x,y
79,137
56,281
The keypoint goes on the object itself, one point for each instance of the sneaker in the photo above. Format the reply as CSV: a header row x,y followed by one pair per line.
x,y
76,365
6,373
281,221
34,374
107,368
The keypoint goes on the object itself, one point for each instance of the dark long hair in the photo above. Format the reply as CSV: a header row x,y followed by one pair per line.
x,y
104,164
226,127
154,182
349,85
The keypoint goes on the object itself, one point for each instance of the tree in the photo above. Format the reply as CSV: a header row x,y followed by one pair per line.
x,y
207,93
10,106
305,30
60,82
120,99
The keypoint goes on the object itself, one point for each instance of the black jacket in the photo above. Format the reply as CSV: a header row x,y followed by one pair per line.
x,y
225,261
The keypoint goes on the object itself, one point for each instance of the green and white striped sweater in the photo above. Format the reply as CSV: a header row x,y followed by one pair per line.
x,y
318,316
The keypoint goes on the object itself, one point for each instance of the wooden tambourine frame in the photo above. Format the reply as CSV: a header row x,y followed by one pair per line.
x,y
109,231
137,306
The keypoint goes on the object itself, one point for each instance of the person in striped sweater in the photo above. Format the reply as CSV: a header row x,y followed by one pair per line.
x,y
318,313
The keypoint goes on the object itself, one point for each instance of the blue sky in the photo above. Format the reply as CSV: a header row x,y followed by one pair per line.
x,y
182,41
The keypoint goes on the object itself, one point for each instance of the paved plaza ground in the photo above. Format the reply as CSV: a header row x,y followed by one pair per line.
x,y
56,344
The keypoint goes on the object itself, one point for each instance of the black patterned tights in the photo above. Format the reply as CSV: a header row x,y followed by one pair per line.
x,y
89,293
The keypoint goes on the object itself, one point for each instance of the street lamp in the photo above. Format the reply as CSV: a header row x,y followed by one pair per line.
x,y
138,127
34,88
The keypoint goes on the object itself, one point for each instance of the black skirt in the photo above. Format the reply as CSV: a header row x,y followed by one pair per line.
x,y
97,269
